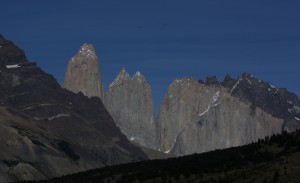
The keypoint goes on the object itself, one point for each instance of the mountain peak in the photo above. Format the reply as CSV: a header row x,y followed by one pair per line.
x,y
10,54
123,75
129,101
138,75
87,50
83,73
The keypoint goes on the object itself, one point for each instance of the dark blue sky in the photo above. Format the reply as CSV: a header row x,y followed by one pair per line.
x,y
164,39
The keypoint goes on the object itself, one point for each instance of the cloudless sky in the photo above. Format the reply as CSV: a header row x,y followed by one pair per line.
x,y
164,39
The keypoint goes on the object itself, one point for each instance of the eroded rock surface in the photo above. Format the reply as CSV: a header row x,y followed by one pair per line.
x,y
200,116
129,101
83,73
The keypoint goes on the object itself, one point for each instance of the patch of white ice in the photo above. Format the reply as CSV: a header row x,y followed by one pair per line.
x,y
39,105
249,81
236,84
12,66
168,151
58,116
212,103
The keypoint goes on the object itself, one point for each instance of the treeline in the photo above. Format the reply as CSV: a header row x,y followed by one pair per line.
x,y
193,167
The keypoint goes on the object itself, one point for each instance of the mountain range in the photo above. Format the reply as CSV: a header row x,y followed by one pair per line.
x,y
49,131
195,115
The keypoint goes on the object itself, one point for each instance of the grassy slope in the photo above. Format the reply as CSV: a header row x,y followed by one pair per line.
x,y
275,159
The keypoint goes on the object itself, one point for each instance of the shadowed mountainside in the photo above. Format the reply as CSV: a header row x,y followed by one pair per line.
x,y
274,159
72,118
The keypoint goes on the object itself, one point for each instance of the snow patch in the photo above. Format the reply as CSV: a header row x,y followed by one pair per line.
x,y
297,119
39,105
72,60
58,116
138,76
12,66
168,151
131,138
215,97
176,81
213,103
87,51
249,81
120,78
138,73
236,84
206,110
295,109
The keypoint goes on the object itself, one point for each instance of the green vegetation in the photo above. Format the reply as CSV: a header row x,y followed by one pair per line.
x,y
274,159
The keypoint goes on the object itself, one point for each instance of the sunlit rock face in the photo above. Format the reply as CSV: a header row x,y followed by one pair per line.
x,y
129,101
195,115
200,116
83,73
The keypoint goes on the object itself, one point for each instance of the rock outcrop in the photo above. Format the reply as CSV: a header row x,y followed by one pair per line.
x,y
200,116
31,153
10,54
195,116
129,101
48,131
83,73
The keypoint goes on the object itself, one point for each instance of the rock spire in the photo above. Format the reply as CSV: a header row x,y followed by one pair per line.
x,y
83,73
129,101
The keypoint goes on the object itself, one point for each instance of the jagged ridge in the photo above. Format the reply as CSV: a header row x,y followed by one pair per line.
x,y
129,101
80,120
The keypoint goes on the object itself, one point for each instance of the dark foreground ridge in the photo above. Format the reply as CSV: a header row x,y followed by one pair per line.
x,y
274,159
40,123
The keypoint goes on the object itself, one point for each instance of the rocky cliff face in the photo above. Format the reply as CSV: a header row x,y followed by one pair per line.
x,y
83,73
10,54
199,116
129,101
195,116
49,131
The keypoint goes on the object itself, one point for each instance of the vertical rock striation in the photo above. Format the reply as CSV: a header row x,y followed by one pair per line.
x,y
83,73
200,116
195,116
129,101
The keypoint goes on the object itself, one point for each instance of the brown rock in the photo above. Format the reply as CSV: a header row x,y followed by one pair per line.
x,y
83,73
